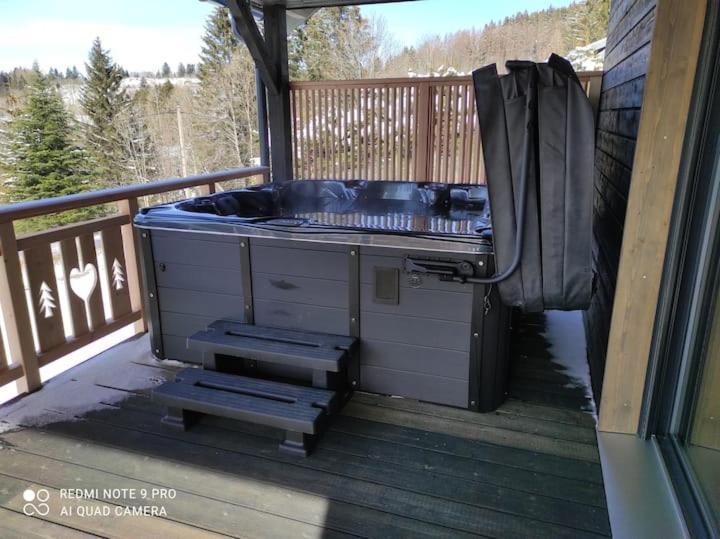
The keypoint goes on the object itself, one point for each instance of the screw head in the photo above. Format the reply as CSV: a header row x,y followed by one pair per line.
x,y
144,234
472,403
352,253
152,295
354,383
157,350
481,263
247,307
476,335
353,320
242,244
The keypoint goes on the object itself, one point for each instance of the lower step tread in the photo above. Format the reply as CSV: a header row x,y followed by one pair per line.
x,y
284,406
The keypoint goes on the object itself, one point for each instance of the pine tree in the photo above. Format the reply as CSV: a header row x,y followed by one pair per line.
x,y
181,71
335,43
102,100
165,70
40,157
219,43
225,135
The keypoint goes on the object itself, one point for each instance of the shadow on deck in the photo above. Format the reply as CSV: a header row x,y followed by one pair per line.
x,y
386,466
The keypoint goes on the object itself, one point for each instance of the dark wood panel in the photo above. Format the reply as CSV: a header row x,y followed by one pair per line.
x,y
304,317
413,358
616,172
625,96
209,278
622,149
414,385
209,304
303,259
630,68
633,31
309,291
623,122
615,200
203,251
412,330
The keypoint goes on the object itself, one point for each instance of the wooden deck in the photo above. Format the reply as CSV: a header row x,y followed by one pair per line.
x,y
387,467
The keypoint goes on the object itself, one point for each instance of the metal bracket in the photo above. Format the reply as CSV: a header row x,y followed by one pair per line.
x,y
446,270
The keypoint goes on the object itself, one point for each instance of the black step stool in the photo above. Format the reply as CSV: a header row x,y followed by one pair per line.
x,y
300,411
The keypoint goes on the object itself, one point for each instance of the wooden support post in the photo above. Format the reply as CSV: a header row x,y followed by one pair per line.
x,y
668,94
15,311
131,248
279,101
259,50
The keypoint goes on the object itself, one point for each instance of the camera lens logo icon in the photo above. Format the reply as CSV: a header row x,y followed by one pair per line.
x,y
35,502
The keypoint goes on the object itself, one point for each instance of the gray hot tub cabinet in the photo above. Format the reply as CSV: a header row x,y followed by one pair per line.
x,y
420,336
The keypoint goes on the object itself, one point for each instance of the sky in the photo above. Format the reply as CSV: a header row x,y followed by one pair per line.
x,y
142,34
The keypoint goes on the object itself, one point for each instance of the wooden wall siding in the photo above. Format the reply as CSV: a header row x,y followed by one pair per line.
x,y
661,134
626,60
412,129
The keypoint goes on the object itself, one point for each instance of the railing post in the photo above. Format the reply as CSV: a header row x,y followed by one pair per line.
x,y
206,189
594,85
15,311
422,140
131,249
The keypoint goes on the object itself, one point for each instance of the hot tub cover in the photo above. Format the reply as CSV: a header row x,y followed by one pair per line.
x,y
546,103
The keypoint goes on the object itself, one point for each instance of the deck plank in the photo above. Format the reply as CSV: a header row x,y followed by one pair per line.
x,y
185,509
497,436
93,524
429,498
14,525
571,433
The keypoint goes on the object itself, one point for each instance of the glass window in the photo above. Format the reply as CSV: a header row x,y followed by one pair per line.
x,y
703,442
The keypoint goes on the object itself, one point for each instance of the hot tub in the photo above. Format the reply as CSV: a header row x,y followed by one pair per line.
x,y
386,262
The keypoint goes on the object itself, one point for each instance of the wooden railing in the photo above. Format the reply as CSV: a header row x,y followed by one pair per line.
x,y
422,129
80,282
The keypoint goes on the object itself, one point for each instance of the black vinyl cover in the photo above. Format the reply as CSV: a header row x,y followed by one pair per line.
x,y
555,270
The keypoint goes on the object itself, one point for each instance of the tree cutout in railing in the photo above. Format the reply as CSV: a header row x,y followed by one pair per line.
x,y
46,303
118,275
83,282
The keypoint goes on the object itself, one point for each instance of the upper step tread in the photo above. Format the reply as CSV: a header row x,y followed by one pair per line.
x,y
324,340
299,348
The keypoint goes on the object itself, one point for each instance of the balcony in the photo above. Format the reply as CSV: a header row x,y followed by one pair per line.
x,y
410,468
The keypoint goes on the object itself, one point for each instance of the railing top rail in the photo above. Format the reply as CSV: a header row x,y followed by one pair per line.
x,y
34,208
393,81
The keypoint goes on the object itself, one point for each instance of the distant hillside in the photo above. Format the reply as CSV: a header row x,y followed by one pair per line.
x,y
528,36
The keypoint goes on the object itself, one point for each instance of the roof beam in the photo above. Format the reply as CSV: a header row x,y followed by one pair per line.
x,y
244,24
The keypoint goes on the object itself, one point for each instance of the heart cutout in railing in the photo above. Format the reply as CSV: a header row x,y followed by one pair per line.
x,y
83,282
